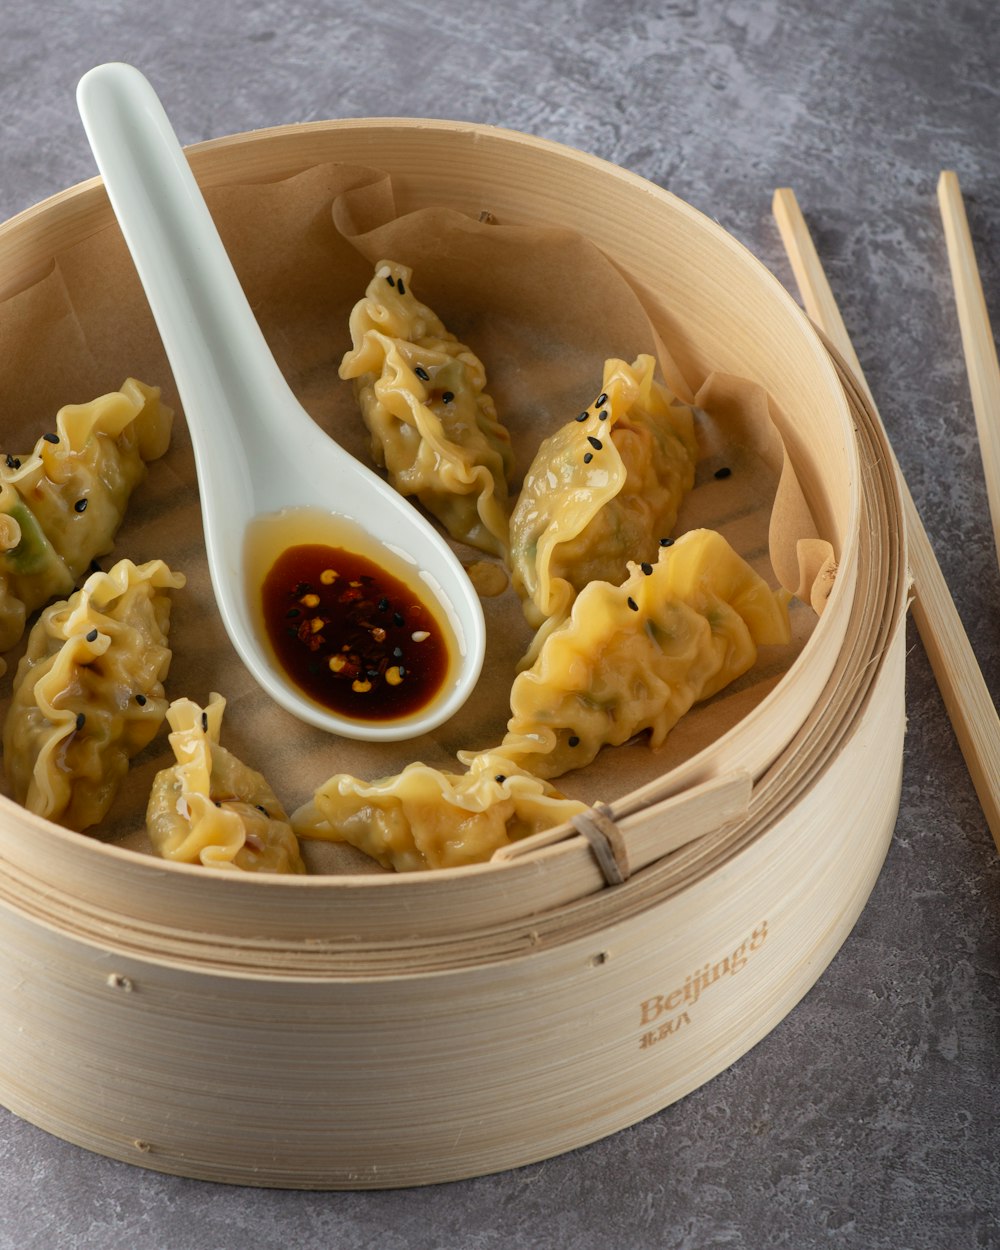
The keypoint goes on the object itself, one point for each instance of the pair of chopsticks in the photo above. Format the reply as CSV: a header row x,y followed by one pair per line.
x,y
959,678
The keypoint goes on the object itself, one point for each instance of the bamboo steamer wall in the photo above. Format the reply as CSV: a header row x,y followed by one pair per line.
x,y
385,1031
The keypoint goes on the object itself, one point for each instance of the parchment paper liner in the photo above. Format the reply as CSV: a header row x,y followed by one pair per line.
x,y
543,308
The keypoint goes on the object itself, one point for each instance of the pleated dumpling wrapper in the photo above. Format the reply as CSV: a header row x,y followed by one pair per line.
x,y
636,657
88,692
433,427
210,808
426,818
602,490
61,505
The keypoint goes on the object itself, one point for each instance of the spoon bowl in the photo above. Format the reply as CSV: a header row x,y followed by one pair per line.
x,y
258,453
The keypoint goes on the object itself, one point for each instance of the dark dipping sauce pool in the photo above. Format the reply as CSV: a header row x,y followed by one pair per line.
x,y
354,637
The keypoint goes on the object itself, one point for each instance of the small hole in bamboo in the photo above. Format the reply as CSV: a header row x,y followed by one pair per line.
x,y
118,982
601,957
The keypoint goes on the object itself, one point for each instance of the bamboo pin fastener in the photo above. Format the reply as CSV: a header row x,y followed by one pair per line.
x,y
977,337
959,678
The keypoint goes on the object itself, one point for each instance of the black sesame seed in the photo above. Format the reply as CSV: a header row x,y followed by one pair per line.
x,y
204,722
588,457
422,373
397,653
601,400
13,462
383,605
390,279
51,438
602,415
80,505
723,472
92,636
402,670
573,740
81,720
447,397
583,416
500,778
594,442
646,567
666,542
141,700
397,619
632,604
399,284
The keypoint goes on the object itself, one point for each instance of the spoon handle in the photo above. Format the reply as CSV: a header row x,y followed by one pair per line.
x,y
220,360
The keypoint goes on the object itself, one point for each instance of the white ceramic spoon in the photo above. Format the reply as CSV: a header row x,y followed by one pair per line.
x,y
257,451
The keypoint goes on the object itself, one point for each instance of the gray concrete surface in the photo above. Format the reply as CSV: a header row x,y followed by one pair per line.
x,y
869,1118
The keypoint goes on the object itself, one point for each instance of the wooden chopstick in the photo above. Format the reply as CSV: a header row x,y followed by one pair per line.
x,y
959,678
977,337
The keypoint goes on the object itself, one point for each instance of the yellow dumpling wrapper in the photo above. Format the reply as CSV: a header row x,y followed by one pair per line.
x,y
602,490
88,693
425,818
433,427
61,505
210,808
31,572
636,657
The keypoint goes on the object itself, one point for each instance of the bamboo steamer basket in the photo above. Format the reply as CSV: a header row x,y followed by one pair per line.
x,y
382,1031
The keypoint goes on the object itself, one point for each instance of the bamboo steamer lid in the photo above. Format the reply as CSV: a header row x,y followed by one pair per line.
x,y
370,1031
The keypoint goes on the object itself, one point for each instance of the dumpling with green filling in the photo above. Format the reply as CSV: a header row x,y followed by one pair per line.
x,y
31,573
88,693
602,490
210,808
636,657
426,818
433,427
61,505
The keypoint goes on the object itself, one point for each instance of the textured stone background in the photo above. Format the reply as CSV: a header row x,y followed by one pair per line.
x,y
869,1118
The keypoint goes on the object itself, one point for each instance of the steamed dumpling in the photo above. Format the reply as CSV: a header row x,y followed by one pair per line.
x,y
602,490
426,818
433,427
210,808
88,693
31,571
61,505
636,657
